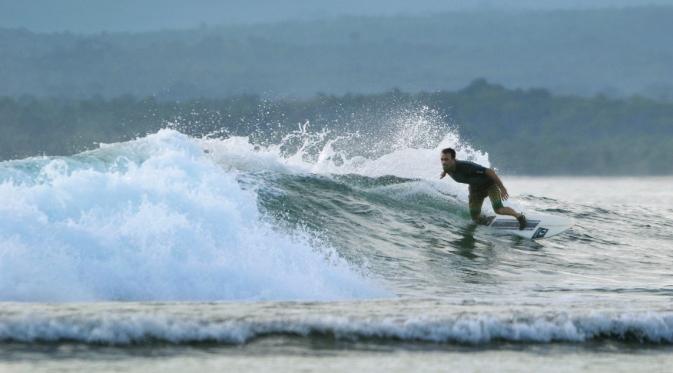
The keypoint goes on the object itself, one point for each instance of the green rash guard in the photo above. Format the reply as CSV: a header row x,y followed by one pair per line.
x,y
471,173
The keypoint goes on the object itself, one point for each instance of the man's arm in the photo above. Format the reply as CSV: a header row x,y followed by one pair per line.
x,y
503,191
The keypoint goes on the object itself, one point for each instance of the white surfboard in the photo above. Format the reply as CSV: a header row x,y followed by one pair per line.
x,y
539,225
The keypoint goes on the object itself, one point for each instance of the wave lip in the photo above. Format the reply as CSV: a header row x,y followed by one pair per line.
x,y
472,328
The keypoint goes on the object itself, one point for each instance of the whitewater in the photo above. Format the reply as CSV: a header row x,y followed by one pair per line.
x,y
316,241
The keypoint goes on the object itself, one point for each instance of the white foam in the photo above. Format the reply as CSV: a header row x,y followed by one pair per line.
x,y
152,219
464,327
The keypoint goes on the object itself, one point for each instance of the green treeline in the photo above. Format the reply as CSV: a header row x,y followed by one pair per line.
x,y
616,52
524,131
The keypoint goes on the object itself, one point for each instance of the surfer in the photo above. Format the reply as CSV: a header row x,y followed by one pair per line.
x,y
483,182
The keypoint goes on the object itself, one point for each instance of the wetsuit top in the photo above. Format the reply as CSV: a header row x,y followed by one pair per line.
x,y
471,173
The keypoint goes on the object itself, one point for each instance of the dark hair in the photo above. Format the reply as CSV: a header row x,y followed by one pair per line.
x,y
449,151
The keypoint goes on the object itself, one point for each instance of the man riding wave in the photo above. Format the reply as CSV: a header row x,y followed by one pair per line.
x,y
483,182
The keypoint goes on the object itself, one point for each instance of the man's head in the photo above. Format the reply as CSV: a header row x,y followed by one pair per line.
x,y
448,158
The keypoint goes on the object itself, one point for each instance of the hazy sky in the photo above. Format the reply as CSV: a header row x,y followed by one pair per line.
x,y
87,16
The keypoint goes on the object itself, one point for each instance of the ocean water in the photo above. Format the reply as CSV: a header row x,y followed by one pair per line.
x,y
171,253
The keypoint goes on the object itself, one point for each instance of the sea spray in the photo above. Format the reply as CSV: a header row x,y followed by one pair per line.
x,y
406,144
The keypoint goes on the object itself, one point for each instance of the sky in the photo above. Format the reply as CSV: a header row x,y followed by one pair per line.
x,y
94,16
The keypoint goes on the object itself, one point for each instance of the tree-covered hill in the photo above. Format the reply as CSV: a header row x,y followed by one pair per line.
x,y
524,131
617,52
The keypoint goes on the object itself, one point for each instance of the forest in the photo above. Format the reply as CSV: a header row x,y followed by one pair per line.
x,y
616,52
525,131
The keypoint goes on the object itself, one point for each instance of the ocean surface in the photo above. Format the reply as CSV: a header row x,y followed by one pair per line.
x,y
172,253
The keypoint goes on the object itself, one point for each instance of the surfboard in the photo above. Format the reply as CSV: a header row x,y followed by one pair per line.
x,y
538,226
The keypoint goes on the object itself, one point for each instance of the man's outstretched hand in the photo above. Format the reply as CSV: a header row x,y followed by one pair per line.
x,y
503,193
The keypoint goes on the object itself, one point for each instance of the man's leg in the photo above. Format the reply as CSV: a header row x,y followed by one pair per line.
x,y
476,199
496,202
507,211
